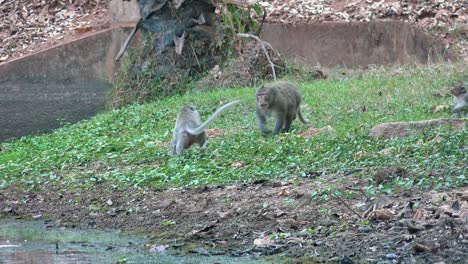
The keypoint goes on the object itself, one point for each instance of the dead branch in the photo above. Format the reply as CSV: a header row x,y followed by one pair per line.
x,y
349,207
127,41
137,26
261,24
262,44
358,190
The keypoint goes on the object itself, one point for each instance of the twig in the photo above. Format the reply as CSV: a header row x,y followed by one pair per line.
x,y
195,54
137,26
349,207
358,190
127,41
262,44
261,24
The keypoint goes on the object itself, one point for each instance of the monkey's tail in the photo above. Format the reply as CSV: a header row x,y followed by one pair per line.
x,y
303,120
201,128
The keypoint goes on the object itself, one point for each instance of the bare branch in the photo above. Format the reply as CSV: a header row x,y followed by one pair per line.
x,y
137,26
349,207
262,44
127,41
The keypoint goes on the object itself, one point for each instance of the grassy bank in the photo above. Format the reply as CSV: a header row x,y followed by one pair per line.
x,y
130,146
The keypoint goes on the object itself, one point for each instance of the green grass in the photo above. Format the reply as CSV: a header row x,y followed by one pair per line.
x,y
129,146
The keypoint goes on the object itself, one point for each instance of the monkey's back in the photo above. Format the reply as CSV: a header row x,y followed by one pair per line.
x,y
289,97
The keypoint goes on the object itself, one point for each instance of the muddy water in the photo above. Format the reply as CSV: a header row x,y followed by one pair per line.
x,y
32,242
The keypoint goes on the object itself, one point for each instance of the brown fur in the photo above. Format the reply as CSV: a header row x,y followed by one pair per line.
x,y
281,100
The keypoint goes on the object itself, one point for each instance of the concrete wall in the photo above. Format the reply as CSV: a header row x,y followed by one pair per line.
x,y
62,84
124,11
353,44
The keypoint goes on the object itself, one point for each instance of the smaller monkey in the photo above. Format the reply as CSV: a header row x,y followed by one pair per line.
x,y
460,99
188,131
281,100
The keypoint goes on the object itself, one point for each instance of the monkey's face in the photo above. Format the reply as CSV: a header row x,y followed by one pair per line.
x,y
458,89
264,99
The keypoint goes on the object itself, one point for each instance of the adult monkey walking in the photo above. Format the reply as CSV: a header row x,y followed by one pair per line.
x,y
280,100
188,130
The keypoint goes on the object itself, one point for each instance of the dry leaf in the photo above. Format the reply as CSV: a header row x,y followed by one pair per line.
x,y
419,214
179,43
264,242
284,191
158,249
383,214
178,3
437,139
223,215
386,152
84,29
440,108
238,164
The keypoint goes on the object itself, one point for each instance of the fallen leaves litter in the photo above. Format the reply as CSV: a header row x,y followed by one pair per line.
x,y
313,132
26,24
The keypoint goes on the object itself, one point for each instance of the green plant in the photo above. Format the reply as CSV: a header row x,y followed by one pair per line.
x,y
127,147
168,222
238,19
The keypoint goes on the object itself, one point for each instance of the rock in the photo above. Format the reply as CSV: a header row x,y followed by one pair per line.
x,y
405,129
421,248
364,229
346,260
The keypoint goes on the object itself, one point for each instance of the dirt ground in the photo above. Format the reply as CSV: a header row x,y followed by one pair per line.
x,y
288,219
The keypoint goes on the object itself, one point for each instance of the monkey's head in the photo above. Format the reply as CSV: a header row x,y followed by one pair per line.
x,y
190,111
458,89
265,97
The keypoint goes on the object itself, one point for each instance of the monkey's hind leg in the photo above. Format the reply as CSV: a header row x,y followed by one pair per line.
x,y
201,139
287,123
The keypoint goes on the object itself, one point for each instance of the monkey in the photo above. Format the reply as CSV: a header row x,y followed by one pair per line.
x,y
281,100
188,131
460,99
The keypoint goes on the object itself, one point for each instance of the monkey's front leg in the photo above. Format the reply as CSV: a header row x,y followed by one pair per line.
x,y
180,143
173,144
278,125
261,122
460,108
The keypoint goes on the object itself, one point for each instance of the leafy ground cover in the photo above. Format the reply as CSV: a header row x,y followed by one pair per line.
x,y
335,196
130,146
